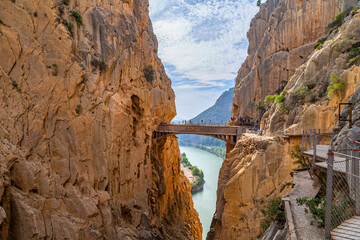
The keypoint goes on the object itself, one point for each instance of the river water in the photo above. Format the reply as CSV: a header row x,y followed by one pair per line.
x,y
205,200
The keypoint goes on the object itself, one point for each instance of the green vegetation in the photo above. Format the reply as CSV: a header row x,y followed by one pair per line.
x,y
320,43
295,154
65,2
69,26
101,65
316,206
278,99
339,18
354,54
335,85
77,16
282,86
272,213
78,108
149,73
194,170
260,108
301,91
313,98
35,14
258,3
353,12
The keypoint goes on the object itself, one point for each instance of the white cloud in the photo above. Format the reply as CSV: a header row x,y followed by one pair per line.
x,y
200,39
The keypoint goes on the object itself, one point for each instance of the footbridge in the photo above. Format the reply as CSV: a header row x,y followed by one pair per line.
x,y
229,134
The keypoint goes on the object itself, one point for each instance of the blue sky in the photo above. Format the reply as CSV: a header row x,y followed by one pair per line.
x,y
202,45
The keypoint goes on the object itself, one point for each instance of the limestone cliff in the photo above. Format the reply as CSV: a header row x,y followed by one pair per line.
x,y
281,37
81,91
254,173
309,102
281,47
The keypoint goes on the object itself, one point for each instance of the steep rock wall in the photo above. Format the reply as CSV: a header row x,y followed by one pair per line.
x,y
281,36
76,120
315,108
254,173
239,201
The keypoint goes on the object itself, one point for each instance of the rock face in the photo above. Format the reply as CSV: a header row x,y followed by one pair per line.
x,y
257,171
81,91
315,108
281,37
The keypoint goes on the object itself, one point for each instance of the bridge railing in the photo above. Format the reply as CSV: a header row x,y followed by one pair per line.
x,y
221,123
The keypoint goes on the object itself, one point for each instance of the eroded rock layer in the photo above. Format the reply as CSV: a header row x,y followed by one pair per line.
x,y
81,91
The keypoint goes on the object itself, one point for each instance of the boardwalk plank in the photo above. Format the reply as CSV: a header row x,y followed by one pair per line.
x,y
346,232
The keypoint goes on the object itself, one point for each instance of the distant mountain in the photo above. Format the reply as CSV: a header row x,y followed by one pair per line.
x,y
220,111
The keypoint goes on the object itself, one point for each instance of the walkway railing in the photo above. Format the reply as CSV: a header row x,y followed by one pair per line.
x,y
342,167
343,186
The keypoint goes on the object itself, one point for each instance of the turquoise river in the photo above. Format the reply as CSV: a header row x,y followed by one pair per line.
x,y
205,200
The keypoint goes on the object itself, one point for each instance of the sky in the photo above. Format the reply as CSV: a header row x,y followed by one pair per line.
x,y
202,44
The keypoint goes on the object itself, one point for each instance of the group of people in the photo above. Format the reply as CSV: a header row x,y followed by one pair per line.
x,y
202,122
245,120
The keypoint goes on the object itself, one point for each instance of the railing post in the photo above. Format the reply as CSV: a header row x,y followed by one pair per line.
x,y
302,142
356,184
329,188
314,151
305,141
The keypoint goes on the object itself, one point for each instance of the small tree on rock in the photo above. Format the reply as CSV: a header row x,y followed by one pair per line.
x,y
258,3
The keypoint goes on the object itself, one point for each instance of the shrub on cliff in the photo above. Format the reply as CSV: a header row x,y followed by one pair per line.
x,y
272,212
354,54
335,85
101,65
320,43
339,18
278,99
301,91
77,16
295,154
149,73
69,26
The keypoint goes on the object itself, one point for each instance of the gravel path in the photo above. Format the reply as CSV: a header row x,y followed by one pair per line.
x,y
303,187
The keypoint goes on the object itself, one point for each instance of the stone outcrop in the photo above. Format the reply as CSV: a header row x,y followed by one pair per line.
x,y
81,91
281,37
254,173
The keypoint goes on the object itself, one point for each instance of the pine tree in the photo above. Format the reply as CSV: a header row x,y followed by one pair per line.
x,y
258,3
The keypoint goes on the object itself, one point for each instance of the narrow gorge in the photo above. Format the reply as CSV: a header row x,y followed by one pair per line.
x,y
83,92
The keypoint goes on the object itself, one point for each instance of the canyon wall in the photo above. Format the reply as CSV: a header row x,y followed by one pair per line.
x,y
81,92
281,36
281,47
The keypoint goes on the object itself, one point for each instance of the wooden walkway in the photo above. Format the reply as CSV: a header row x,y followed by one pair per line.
x,y
321,156
348,230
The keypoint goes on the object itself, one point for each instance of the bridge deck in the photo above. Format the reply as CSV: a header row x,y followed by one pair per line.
x,y
198,129
226,133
